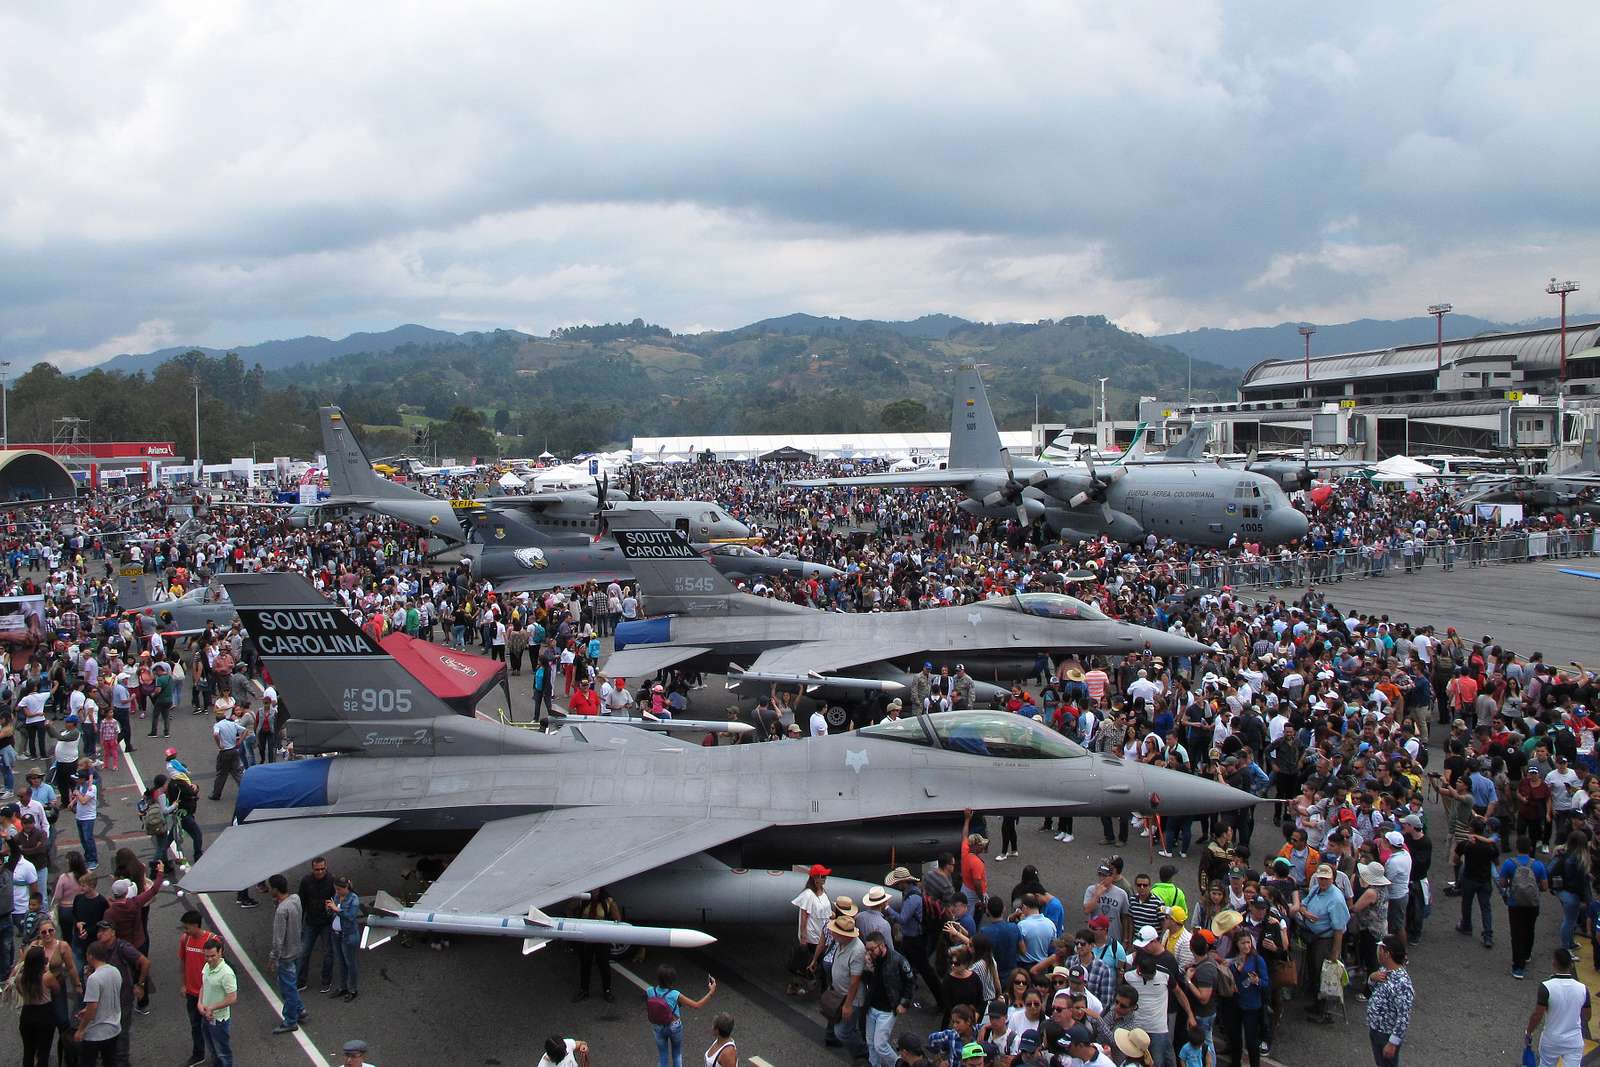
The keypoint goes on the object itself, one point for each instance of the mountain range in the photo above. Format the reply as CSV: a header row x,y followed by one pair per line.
x,y
276,355
1240,348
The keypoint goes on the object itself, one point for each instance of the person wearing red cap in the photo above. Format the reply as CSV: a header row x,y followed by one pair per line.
x,y
815,911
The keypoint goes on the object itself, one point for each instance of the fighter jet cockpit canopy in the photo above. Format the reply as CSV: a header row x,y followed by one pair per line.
x,y
1050,606
742,551
1000,735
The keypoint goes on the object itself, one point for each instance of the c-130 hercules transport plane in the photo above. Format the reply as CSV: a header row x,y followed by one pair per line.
x,y
1192,503
537,819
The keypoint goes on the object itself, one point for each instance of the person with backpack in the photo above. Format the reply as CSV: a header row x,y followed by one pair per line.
x,y
663,1009
1522,880
1570,881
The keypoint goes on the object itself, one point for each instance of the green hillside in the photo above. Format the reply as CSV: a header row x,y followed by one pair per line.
x,y
589,387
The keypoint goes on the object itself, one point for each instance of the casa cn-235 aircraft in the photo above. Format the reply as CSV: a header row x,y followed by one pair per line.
x,y
1193,503
539,819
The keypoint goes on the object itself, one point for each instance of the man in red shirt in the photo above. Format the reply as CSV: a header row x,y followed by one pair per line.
x,y
1463,691
192,960
584,700
974,877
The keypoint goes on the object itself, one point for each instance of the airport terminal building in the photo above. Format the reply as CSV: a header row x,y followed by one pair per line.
x,y
1463,395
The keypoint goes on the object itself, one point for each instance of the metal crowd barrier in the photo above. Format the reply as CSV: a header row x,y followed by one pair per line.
x,y
1384,559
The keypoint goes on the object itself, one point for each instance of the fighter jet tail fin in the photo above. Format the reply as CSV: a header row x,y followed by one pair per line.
x,y
342,689
134,587
1588,458
974,437
673,578
350,472
1191,447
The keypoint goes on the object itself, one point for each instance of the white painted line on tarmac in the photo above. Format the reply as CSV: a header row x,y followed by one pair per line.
x,y
630,976
239,956
757,1061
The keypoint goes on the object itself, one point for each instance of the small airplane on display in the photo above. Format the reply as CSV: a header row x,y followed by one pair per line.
x,y
714,628
1574,488
539,819
182,616
511,549
513,519
1190,502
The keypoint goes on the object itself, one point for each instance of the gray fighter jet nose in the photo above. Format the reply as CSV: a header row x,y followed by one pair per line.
x,y
1286,524
1182,793
1168,645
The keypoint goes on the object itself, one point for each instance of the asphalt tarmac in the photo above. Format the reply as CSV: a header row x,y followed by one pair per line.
x,y
481,1002
1527,607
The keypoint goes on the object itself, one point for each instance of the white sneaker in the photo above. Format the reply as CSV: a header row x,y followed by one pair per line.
x,y
1001,857
1065,839
1062,836
1164,853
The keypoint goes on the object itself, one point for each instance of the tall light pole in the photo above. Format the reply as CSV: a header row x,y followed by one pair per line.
x,y
194,380
1439,311
1561,289
5,398
1306,332
1103,382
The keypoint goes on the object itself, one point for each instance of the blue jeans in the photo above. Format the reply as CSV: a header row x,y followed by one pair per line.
x,y
349,963
86,834
8,761
880,1032
293,1009
848,1033
218,1042
1162,1053
669,1044
309,936
1179,831
1571,907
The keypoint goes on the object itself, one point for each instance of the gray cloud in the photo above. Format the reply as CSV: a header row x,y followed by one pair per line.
x,y
237,173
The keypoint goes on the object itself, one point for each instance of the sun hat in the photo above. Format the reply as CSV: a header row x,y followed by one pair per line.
x,y
875,897
898,876
1372,873
1225,921
843,926
844,905
1132,1042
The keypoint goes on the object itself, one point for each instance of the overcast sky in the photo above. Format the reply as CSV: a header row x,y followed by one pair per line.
x,y
219,173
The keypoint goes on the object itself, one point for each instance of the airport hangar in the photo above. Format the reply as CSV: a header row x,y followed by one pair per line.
x,y
1488,393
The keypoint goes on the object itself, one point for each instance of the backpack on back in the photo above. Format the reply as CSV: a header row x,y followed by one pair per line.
x,y
1524,886
657,1008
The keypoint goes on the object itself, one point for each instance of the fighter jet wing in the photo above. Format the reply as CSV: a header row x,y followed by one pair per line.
x,y
823,656
645,660
533,861
543,581
252,851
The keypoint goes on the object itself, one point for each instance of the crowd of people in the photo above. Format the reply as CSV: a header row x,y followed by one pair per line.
x,y
1360,729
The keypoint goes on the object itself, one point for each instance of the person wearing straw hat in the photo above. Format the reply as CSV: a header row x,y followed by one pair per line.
x,y
1134,1044
1324,916
871,917
845,982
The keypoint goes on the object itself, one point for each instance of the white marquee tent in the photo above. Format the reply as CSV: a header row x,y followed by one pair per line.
x,y
893,446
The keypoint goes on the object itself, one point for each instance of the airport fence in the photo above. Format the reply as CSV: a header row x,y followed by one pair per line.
x,y
1384,559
